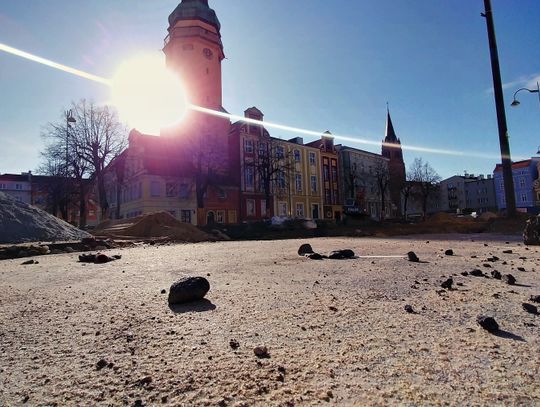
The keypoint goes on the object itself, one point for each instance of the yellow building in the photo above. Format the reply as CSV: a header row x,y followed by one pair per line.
x,y
298,192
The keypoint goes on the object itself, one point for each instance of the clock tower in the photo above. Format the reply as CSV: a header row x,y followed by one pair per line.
x,y
194,49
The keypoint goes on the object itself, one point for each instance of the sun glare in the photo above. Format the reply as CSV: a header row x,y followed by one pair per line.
x,y
147,95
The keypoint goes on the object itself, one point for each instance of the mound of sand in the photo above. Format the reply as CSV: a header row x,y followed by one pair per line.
x,y
488,216
155,225
20,222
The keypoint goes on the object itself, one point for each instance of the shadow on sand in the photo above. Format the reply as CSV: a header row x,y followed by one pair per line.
x,y
195,306
509,335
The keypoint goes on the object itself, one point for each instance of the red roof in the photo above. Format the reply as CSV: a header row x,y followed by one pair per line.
x,y
516,165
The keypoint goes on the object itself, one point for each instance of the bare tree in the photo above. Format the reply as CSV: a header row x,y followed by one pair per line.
x,y
272,166
426,179
98,137
407,190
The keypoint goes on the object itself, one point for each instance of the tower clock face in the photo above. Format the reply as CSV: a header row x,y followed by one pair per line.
x,y
208,53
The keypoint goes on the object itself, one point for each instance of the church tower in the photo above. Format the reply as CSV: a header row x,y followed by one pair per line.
x,y
391,149
194,49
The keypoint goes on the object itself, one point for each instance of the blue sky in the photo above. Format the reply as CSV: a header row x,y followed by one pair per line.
x,y
317,64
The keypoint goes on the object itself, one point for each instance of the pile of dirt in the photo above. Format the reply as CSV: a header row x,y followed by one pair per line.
x,y
488,216
20,222
159,225
511,226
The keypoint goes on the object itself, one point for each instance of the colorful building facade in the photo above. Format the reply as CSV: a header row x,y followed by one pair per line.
x,y
525,174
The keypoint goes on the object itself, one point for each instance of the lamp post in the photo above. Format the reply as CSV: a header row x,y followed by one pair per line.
x,y
501,114
69,120
515,102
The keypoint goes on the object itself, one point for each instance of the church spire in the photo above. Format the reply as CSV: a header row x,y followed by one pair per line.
x,y
390,136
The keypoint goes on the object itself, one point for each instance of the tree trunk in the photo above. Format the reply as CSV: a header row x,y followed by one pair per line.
x,y
82,204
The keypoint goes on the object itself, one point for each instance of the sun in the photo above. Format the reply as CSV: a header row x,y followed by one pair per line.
x,y
147,95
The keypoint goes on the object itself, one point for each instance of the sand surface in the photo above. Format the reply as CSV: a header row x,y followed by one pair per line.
x,y
336,330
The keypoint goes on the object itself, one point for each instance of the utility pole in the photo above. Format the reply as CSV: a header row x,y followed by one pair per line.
x,y
501,114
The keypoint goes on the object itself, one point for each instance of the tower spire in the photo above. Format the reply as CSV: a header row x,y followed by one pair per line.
x,y
390,136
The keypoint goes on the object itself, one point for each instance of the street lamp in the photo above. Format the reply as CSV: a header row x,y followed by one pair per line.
x,y
69,119
515,102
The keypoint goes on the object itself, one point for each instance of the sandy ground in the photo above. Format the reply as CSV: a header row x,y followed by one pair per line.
x,y
336,331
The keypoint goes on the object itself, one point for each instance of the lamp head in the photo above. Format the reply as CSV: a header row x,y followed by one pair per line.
x,y
515,103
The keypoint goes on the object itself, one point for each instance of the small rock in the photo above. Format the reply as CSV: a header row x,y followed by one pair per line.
x,y
261,352
535,298
477,273
409,309
163,291
531,309
413,257
507,251
102,258
521,268
509,279
465,273
188,289
27,262
101,364
488,323
305,249
314,256
449,252
341,254
233,343
448,284
496,275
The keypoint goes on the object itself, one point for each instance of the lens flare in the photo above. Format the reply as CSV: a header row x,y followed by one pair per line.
x,y
150,97
147,95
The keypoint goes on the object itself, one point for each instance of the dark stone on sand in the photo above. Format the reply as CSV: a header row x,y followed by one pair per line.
x,y
448,284
507,251
314,256
449,252
531,309
233,343
509,279
101,364
477,273
27,262
102,258
341,254
164,291
261,352
188,289
464,273
408,308
535,298
488,323
496,275
305,249
413,257
521,268
531,234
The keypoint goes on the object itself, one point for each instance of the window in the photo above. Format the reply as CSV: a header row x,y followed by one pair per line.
x,y
334,174
281,179
299,210
312,158
315,211
282,209
327,196
220,216
314,183
326,173
249,177
522,182
263,207
262,149
155,189
297,155
3,186
280,152
184,191
185,216
250,207
18,187
298,182
248,146
523,197
171,189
